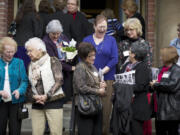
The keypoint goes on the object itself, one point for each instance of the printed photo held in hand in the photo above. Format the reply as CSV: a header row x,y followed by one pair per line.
x,y
126,78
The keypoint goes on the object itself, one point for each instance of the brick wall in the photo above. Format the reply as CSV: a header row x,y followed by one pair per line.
x,y
3,17
6,15
10,11
150,20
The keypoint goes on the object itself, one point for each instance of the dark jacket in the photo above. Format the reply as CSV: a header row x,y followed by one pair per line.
x,y
82,27
67,23
45,17
30,26
121,114
140,106
168,93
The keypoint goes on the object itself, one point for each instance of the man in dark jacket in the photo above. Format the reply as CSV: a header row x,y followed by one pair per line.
x,y
82,26
65,19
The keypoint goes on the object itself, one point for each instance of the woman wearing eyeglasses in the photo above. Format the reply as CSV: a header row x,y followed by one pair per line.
x,y
106,59
133,30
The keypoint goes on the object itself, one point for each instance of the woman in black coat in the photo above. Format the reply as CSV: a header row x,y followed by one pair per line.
x,y
28,25
167,89
141,110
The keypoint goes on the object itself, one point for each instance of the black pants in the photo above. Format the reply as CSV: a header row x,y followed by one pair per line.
x,y
166,127
8,111
136,127
90,125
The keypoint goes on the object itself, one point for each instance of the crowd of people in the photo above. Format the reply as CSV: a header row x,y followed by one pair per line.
x,y
35,69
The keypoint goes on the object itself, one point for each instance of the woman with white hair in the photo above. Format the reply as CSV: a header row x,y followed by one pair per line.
x,y
54,41
45,76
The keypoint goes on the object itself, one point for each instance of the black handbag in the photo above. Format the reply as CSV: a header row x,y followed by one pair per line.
x,y
89,104
23,112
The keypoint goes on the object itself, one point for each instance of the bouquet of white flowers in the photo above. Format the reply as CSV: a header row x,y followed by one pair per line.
x,y
70,49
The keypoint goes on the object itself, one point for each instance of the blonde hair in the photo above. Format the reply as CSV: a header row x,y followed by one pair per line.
x,y
169,55
133,23
130,5
7,41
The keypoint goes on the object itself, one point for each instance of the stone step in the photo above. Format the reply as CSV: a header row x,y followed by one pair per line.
x,y
27,128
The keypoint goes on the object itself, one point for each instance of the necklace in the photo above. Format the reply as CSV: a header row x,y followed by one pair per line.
x,y
99,46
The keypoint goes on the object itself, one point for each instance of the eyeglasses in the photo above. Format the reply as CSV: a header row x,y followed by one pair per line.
x,y
129,29
72,4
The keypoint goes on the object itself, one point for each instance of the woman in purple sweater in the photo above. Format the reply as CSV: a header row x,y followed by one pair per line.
x,y
106,59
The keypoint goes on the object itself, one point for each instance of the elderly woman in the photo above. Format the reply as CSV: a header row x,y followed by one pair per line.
x,y
54,41
45,76
140,107
87,81
133,30
167,89
130,9
106,59
13,84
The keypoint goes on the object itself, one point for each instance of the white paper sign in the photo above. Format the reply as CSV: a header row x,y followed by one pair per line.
x,y
126,78
126,53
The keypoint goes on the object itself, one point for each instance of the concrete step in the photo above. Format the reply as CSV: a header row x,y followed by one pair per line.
x,y
27,128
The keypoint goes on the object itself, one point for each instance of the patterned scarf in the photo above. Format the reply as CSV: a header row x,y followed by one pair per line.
x,y
34,69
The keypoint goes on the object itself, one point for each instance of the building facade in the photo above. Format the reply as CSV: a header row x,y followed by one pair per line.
x,y
161,16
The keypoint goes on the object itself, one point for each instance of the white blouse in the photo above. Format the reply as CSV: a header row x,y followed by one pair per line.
x,y
7,85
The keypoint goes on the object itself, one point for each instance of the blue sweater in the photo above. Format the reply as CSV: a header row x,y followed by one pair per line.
x,y
106,54
17,78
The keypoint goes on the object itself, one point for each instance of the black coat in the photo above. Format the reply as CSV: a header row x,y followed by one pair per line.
x,y
140,106
30,26
45,17
168,94
121,114
82,27
67,23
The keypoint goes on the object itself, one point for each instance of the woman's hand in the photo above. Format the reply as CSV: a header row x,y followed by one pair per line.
x,y
105,69
103,84
16,94
4,94
102,92
73,68
41,99
153,82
